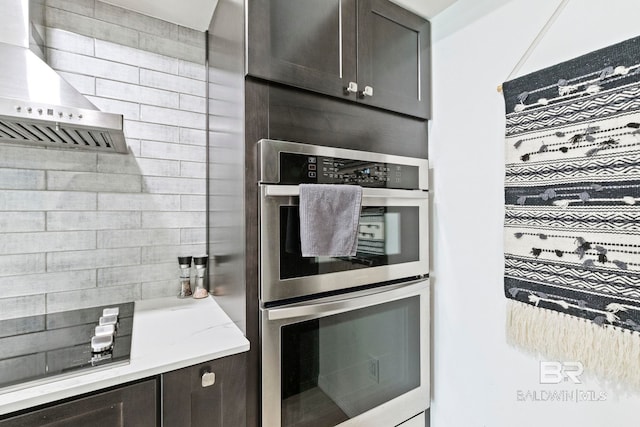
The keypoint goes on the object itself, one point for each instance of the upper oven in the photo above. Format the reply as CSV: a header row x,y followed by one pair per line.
x,y
392,243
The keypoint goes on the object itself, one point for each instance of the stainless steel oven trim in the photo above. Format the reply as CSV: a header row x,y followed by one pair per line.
x,y
269,152
294,191
390,413
272,288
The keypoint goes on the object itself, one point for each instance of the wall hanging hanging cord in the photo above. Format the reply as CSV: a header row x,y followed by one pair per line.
x,y
536,41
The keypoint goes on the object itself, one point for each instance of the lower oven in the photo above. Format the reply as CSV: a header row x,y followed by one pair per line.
x,y
358,359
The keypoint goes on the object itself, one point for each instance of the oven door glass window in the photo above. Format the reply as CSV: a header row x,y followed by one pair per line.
x,y
337,367
386,236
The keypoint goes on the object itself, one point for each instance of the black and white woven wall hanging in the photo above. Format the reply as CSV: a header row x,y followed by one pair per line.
x,y
572,217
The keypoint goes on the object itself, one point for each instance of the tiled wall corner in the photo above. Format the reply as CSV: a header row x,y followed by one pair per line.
x,y
79,229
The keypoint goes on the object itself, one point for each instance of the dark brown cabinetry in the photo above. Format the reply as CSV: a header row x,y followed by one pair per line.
x,y
369,51
130,405
393,58
210,394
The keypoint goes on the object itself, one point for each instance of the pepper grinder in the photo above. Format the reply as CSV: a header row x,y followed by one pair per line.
x,y
201,272
185,276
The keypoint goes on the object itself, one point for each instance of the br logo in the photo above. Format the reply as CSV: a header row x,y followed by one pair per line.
x,y
558,372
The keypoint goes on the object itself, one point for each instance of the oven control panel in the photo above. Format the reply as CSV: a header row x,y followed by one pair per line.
x,y
307,169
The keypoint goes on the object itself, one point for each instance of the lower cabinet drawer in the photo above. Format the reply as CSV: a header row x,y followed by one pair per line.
x,y
131,405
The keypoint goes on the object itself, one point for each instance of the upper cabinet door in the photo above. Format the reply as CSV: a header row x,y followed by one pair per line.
x,y
393,58
305,43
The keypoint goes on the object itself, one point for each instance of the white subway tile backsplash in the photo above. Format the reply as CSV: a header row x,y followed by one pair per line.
x,y
33,284
193,169
70,42
80,228
192,236
160,254
130,110
15,222
160,150
21,179
171,82
82,7
192,37
160,289
192,70
137,21
172,219
83,23
137,238
134,93
152,184
193,103
92,220
228,156
177,49
138,202
116,276
155,167
84,298
31,305
50,241
225,108
151,131
132,56
193,203
193,136
99,258
153,114
112,163
15,200
12,156
223,92
133,146
90,66
85,181
13,265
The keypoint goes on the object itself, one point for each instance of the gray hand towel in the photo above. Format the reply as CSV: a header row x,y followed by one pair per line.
x,y
329,216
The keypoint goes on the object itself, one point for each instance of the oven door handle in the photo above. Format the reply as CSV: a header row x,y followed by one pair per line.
x,y
355,300
294,191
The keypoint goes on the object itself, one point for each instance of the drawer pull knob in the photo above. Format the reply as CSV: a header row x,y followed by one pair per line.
x,y
208,379
368,91
351,88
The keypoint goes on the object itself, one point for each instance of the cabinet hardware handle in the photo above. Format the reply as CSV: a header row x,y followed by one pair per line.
x,y
368,91
351,88
208,379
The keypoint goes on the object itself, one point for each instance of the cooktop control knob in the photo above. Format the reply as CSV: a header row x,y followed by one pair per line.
x,y
101,344
111,311
105,330
108,320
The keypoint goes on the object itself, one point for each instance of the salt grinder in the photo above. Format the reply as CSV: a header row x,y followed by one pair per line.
x,y
185,276
201,272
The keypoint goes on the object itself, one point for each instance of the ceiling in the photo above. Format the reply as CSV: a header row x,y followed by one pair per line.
x,y
197,14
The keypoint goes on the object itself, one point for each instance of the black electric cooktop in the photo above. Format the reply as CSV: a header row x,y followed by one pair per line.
x,y
39,349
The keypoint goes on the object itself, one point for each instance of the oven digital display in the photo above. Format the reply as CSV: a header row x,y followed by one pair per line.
x,y
305,169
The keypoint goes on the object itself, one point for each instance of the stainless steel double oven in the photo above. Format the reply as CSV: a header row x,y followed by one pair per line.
x,y
344,341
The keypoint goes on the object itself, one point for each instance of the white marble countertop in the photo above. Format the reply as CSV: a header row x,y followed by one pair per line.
x,y
168,334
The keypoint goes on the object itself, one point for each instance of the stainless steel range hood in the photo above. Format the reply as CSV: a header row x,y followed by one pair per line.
x,y
37,106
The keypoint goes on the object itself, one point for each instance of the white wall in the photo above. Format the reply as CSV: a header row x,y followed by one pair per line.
x,y
476,375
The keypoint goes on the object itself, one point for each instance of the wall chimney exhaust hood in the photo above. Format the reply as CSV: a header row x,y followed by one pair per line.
x,y
37,106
